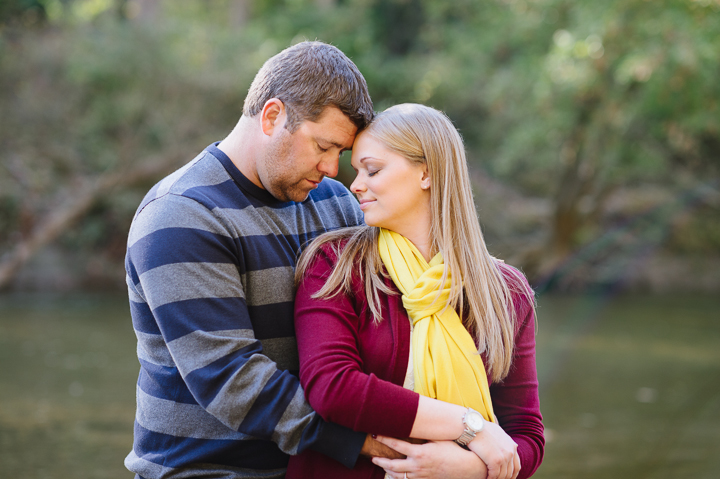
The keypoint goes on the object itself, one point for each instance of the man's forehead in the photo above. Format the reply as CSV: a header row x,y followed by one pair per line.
x,y
334,127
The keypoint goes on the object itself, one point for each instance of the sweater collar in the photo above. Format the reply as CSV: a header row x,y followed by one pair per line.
x,y
242,181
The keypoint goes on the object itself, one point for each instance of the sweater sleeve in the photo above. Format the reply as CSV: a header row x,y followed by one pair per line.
x,y
331,368
515,399
183,266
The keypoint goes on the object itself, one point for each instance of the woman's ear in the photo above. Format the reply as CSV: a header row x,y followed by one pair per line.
x,y
273,115
425,182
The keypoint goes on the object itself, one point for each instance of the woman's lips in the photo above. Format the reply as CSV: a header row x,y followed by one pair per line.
x,y
365,203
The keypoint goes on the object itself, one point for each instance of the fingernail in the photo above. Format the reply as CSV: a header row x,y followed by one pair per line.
x,y
374,436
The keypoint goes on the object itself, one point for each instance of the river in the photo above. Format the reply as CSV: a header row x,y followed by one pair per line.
x,y
630,386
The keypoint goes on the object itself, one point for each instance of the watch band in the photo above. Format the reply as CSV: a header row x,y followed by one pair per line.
x,y
465,437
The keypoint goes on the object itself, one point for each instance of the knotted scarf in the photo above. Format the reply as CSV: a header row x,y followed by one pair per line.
x,y
447,365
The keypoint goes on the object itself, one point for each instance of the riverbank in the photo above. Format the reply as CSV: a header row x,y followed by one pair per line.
x,y
57,271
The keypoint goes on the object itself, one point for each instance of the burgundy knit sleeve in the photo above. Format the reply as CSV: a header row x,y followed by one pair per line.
x,y
331,367
515,399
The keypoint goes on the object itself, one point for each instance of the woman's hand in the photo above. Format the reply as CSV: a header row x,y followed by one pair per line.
x,y
497,450
441,460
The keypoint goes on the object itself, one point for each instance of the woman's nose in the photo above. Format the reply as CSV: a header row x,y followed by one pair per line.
x,y
357,185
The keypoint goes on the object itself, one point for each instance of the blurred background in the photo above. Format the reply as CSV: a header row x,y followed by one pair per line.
x,y
593,133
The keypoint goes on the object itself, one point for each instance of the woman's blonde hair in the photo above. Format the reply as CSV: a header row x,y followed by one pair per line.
x,y
480,291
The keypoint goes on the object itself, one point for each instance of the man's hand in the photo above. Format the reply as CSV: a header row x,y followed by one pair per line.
x,y
432,460
373,448
497,450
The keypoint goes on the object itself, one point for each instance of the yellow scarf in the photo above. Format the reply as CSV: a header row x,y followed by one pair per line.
x,y
446,362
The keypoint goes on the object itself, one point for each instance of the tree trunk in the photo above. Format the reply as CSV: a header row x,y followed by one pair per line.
x,y
60,219
577,180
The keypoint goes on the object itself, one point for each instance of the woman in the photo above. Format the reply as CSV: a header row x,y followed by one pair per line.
x,y
420,261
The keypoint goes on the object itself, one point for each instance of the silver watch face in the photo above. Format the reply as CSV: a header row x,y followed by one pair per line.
x,y
474,420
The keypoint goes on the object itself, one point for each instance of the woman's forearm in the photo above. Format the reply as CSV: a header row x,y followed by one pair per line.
x,y
438,420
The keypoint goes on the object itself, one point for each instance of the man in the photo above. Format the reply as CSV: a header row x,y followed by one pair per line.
x,y
210,264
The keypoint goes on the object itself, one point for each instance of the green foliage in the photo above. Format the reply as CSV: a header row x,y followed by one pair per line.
x,y
634,78
567,101
24,12
697,233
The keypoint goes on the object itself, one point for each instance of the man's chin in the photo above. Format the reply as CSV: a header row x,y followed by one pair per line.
x,y
297,195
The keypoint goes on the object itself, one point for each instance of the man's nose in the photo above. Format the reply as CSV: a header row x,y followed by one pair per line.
x,y
329,166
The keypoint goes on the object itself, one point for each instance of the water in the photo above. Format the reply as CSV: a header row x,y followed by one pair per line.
x,y
67,394
630,386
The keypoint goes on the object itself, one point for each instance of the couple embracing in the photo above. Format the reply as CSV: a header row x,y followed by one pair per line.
x,y
393,346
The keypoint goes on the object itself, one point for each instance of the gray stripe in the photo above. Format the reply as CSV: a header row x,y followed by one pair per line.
x,y
166,183
200,348
291,220
252,220
283,351
133,294
146,469
239,392
298,218
207,171
173,212
152,348
177,211
181,281
289,430
181,420
204,173
334,209
270,286
150,470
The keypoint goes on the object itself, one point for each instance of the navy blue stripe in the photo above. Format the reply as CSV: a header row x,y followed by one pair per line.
x,y
181,245
143,319
185,245
164,383
329,188
272,320
268,251
209,380
130,269
270,405
332,440
205,314
181,451
222,195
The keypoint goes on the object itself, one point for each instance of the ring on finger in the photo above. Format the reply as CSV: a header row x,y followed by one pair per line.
x,y
405,476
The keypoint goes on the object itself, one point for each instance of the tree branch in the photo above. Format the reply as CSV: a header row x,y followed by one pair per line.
x,y
58,220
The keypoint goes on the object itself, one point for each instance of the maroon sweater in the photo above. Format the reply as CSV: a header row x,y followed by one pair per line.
x,y
352,371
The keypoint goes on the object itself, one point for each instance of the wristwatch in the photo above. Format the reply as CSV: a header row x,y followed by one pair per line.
x,y
474,423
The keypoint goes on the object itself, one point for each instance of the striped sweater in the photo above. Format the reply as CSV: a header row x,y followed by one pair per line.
x,y
210,264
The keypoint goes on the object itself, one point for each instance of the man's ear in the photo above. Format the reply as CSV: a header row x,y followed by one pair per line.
x,y
273,115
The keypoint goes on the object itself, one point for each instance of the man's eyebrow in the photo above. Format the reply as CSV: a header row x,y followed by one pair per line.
x,y
333,143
